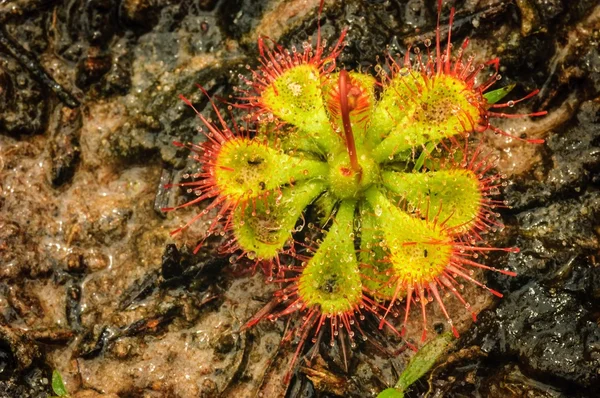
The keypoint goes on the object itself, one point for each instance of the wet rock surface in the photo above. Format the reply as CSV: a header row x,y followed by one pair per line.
x,y
92,283
572,163
22,104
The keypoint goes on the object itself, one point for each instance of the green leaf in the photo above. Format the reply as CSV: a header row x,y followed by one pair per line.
x,y
390,393
331,280
423,360
416,249
452,195
439,113
421,160
58,386
374,277
246,169
391,108
420,364
494,96
295,97
262,229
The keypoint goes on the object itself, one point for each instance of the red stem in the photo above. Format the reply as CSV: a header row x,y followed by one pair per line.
x,y
345,111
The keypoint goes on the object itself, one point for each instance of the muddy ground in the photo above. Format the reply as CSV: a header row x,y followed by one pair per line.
x,y
92,283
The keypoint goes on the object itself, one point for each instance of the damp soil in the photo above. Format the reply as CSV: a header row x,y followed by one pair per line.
x,y
93,284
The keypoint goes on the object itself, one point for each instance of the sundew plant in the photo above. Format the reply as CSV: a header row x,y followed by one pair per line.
x,y
390,161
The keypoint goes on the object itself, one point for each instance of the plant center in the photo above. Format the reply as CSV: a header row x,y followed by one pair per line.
x,y
344,181
350,171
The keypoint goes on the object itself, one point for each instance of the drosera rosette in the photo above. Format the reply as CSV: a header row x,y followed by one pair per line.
x,y
405,203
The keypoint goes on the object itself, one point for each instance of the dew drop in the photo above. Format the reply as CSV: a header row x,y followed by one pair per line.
x,y
378,211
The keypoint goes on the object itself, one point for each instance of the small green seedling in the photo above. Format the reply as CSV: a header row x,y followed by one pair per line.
x,y
58,386
420,364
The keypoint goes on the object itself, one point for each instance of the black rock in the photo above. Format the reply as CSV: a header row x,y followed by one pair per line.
x,y
553,336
